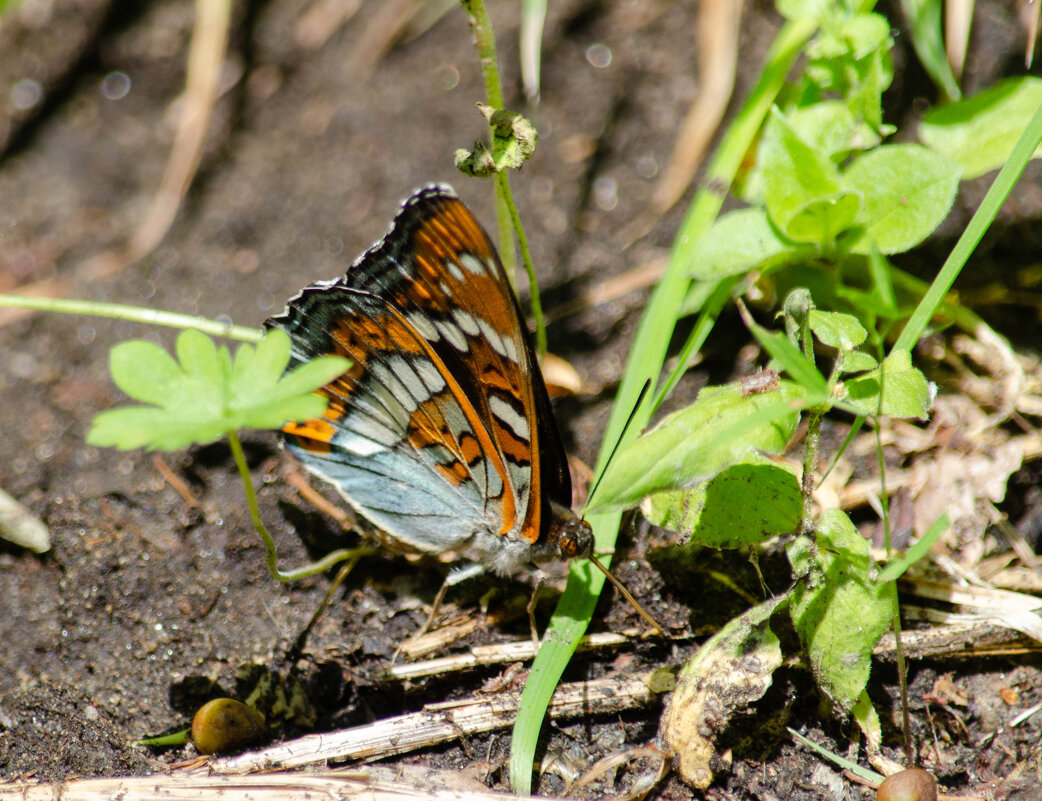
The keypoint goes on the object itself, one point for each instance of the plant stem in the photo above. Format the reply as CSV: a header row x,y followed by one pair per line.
x,y
902,667
506,211
134,314
645,360
485,43
533,284
320,566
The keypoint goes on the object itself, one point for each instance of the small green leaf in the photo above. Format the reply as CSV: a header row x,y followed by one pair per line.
x,y
830,127
867,719
803,192
906,392
698,442
857,362
978,133
837,330
924,22
838,611
803,9
744,505
895,569
200,357
741,241
906,191
207,394
866,34
143,370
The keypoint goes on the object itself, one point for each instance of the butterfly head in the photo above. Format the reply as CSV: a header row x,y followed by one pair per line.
x,y
568,536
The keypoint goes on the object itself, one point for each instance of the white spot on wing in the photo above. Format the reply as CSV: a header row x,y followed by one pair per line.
x,y
507,415
394,378
453,269
453,335
492,336
359,445
430,376
466,322
472,264
424,327
511,350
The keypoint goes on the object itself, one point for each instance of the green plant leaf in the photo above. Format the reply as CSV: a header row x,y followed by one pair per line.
x,y
803,9
746,504
906,392
924,23
698,442
830,127
851,58
857,362
838,611
204,394
906,191
896,568
803,192
836,329
978,133
741,241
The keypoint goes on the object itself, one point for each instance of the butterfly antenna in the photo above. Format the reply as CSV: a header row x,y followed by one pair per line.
x,y
628,596
618,442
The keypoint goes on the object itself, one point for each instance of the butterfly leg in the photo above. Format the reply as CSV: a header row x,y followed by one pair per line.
x,y
537,585
456,576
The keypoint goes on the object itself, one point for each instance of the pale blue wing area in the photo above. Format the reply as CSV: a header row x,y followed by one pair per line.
x,y
406,499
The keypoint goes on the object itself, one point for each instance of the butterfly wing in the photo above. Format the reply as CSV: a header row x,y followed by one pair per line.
x,y
441,430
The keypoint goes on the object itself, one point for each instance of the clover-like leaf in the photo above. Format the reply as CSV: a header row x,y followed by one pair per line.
x,y
204,393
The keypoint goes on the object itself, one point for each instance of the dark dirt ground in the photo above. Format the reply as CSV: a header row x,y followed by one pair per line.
x,y
305,163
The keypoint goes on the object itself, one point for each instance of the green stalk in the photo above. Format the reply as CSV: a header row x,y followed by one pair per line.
x,y
507,217
134,314
321,566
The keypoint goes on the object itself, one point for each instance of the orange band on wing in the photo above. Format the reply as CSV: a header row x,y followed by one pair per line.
x,y
488,447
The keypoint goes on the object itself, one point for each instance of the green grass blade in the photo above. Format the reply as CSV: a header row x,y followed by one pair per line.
x,y
989,207
924,23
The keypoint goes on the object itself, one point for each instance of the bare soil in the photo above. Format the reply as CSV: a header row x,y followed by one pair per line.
x,y
106,636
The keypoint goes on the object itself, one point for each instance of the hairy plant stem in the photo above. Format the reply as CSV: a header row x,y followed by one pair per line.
x,y
134,314
320,566
902,666
506,211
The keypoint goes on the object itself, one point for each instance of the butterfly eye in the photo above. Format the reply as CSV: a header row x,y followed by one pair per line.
x,y
576,540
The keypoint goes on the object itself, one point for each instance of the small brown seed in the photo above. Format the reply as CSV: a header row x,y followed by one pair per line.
x,y
913,784
224,725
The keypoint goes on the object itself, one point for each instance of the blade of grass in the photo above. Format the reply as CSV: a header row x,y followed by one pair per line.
x,y
924,21
846,764
647,356
989,207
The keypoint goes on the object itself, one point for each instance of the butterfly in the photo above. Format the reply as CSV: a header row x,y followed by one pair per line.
x,y
441,432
